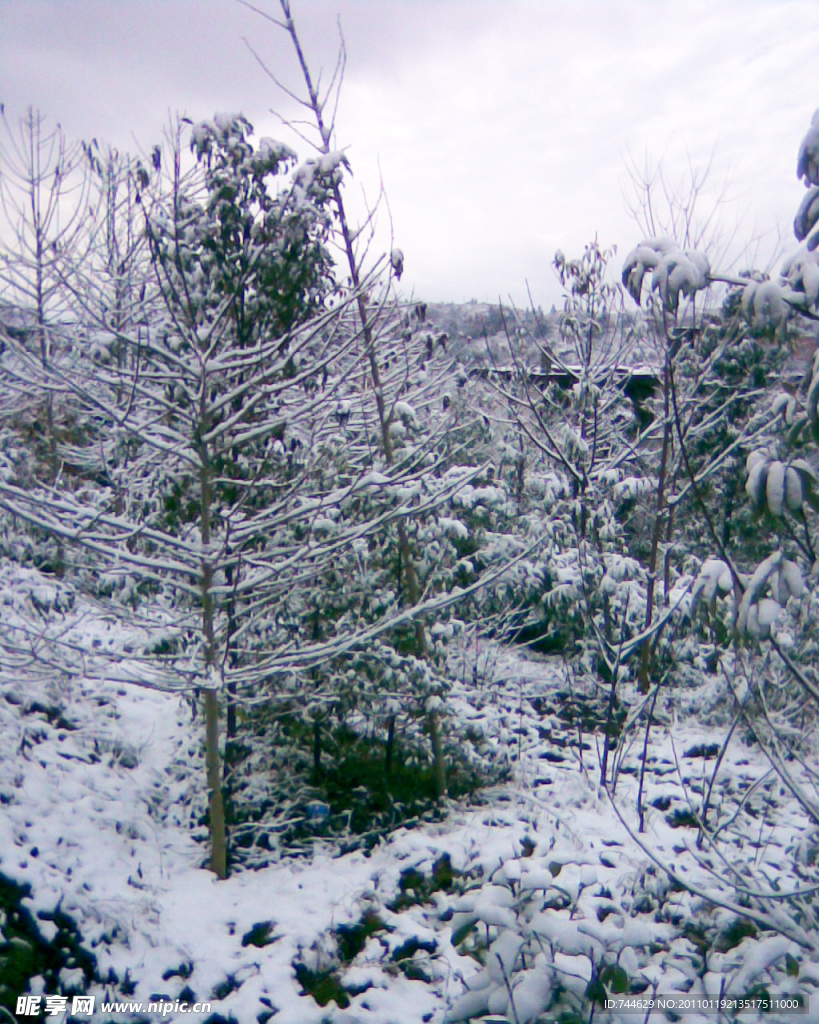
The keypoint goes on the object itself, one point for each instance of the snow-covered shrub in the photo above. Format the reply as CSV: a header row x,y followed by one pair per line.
x,y
385,691
597,559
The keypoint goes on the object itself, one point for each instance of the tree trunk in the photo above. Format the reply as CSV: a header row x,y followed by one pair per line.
x,y
317,748
389,750
656,533
439,764
218,830
218,833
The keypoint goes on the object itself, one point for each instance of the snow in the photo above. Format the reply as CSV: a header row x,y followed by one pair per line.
x,y
801,274
764,303
775,488
405,411
714,576
453,527
374,479
807,217
793,490
101,812
807,164
675,271
274,149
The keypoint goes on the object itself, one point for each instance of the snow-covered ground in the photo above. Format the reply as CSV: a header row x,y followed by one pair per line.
x,y
541,881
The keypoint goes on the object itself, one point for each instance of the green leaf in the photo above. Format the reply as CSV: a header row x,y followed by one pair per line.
x,y
615,978
459,936
596,991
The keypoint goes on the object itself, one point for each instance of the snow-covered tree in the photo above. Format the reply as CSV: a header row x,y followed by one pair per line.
x,y
579,455
766,649
44,206
201,413
401,402
247,445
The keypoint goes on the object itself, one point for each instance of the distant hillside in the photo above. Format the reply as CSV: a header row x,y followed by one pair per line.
x,y
478,334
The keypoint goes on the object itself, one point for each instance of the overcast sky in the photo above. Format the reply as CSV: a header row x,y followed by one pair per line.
x,y
502,129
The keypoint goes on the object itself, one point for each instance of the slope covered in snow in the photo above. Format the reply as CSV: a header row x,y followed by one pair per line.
x,y
532,895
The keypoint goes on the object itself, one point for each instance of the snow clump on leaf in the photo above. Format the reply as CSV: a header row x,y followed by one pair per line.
x,y
777,485
807,165
675,270
757,615
787,582
714,575
764,305
806,217
800,276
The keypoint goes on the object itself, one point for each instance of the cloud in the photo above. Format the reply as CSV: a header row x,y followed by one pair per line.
x,y
501,129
